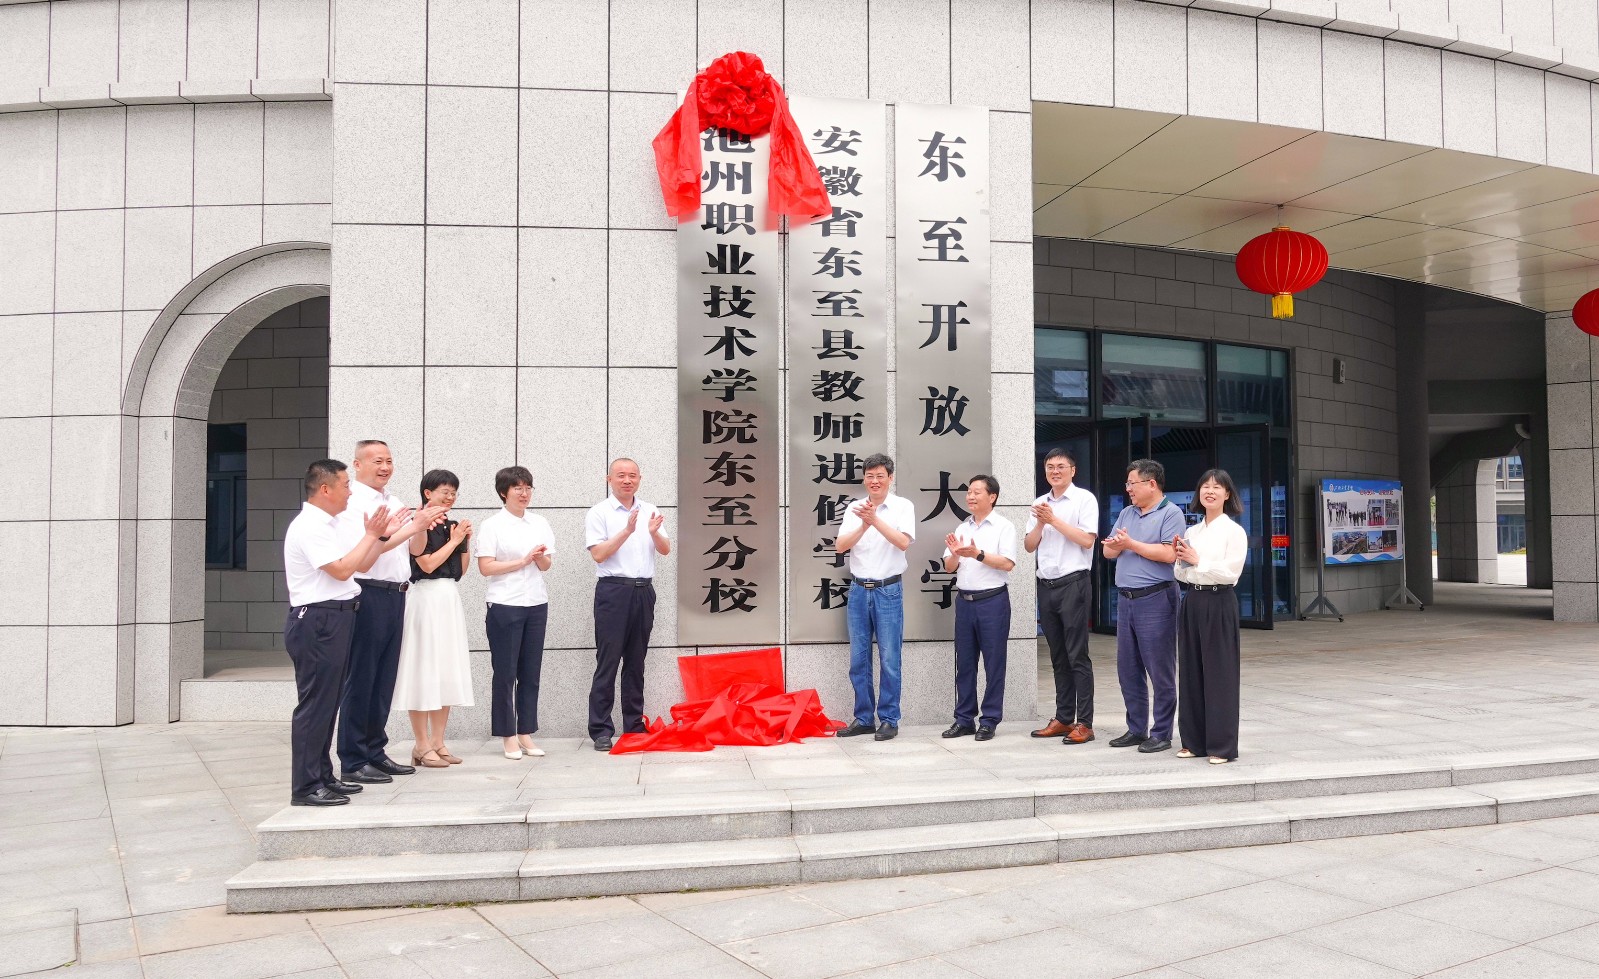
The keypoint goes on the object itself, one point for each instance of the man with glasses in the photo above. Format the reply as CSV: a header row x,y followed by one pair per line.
x,y
1146,612
1061,531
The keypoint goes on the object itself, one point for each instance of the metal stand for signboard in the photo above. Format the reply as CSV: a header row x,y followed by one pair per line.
x,y
1403,597
1321,601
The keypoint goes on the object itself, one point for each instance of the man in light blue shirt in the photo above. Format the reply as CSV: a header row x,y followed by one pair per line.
x,y
1146,614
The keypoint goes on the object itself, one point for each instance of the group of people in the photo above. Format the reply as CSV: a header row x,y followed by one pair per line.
x,y
375,617
1177,615
376,622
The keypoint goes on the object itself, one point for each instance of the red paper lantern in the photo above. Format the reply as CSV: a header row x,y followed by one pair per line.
x,y
1280,263
1586,313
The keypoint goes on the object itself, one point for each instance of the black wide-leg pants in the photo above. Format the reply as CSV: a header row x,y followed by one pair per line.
x,y
1208,672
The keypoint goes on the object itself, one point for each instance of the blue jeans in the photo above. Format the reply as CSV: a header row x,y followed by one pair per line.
x,y
876,612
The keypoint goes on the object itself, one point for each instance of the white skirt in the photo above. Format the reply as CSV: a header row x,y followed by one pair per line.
x,y
435,666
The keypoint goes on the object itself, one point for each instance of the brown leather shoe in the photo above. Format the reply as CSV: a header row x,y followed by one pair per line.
x,y
1053,729
1079,734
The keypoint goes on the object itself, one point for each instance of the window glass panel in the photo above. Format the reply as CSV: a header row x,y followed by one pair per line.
x,y
1251,385
1149,376
1060,373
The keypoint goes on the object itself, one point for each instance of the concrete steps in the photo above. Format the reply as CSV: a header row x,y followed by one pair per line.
x,y
451,848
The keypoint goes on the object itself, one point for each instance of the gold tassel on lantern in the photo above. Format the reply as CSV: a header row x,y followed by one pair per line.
x,y
1282,306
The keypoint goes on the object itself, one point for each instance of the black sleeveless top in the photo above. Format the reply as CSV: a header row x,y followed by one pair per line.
x,y
451,567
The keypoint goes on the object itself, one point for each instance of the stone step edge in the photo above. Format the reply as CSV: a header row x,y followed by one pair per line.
x,y
825,810
333,882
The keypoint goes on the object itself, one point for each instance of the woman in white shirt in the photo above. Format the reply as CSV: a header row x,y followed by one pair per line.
x,y
514,549
1210,557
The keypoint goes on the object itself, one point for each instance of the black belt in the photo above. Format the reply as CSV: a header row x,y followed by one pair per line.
x,y
1057,582
1146,590
977,596
877,582
346,605
385,585
1208,587
635,582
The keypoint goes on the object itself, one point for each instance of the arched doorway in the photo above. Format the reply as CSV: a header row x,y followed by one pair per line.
x,y
167,407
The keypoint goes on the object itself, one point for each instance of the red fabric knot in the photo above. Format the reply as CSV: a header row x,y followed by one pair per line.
x,y
735,92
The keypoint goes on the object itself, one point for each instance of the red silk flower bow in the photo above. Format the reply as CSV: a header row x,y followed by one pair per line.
x,y
735,92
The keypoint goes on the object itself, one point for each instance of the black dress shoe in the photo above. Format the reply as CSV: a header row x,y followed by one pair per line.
x,y
343,788
886,732
389,766
602,743
855,728
1128,740
1155,744
958,730
366,775
985,734
321,797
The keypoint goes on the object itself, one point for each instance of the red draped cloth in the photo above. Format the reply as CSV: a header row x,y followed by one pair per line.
x,y
733,698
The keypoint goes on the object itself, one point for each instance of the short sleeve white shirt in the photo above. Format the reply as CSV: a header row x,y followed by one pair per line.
x,y
503,537
995,535
636,557
311,542
393,564
1058,556
873,557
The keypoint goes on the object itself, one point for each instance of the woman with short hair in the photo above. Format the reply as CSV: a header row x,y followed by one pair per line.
x,y
435,671
514,549
1210,559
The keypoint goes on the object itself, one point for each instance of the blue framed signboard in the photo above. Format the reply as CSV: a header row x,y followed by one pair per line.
x,y
1362,521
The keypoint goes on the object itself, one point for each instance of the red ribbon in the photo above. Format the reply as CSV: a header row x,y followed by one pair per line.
x,y
735,92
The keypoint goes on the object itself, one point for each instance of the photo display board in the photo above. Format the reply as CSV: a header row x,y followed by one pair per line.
x,y
1362,521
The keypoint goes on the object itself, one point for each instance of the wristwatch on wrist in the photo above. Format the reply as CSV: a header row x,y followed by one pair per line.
x,y
384,538
981,555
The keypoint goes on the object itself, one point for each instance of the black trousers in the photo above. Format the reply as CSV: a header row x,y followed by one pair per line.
x,y
369,685
1207,673
516,649
1063,612
318,642
624,614
981,628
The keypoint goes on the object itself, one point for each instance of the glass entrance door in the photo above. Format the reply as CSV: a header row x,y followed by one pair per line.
x,y
1245,452
1117,442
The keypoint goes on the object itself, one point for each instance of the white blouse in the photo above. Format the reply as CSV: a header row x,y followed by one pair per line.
x,y
1221,545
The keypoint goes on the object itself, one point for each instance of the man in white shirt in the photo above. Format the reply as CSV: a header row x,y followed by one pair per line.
x,y
623,534
1061,530
375,648
322,608
874,534
981,552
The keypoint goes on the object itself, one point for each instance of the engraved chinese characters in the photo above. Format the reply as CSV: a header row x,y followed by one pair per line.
x,y
941,320
730,284
837,353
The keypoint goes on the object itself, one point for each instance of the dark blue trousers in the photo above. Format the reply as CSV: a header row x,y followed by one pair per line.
x,y
1146,645
369,685
981,629
516,650
318,642
624,614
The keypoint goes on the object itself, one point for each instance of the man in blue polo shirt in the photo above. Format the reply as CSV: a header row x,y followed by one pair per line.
x,y
1146,614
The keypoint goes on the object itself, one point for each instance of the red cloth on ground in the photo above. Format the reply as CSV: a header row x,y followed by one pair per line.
x,y
743,711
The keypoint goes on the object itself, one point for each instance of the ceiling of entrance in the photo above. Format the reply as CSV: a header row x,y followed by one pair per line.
x,y
1515,231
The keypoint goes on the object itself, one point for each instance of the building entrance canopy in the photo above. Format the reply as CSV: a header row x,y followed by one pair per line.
x,y
1521,232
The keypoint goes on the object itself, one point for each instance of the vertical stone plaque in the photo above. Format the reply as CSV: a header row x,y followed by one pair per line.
x,y
729,294
942,307
837,353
